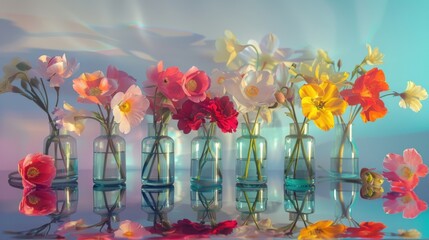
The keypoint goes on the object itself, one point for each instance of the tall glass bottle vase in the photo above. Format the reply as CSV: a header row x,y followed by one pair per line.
x,y
63,148
345,154
299,159
251,156
157,157
109,158
206,154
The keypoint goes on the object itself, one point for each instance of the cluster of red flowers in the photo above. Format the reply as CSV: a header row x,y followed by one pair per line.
x,y
218,110
186,227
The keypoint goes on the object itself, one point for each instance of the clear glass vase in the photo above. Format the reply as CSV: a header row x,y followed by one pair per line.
x,y
157,157
109,158
206,201
63,148
299,158
345,154
344,194
251,156
67,196
206,157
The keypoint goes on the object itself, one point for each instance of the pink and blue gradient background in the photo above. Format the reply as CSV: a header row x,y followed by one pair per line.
x,y
133,35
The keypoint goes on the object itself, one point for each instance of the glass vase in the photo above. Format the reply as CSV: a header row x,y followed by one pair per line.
x,y
63,148
109,158
299,203
251,156
157,157
206,201
206,156
344,194
345,154
299,158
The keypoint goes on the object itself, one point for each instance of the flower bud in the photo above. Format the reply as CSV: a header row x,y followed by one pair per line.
x,y
280,97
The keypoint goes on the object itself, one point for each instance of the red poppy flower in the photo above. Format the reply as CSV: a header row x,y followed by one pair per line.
x,y
366,92
38,202
370,230
37,170
190,117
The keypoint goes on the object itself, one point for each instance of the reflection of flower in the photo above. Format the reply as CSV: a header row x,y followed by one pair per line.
x,y
325,229
366,230
37,170
370,177
412,233
38,202
130,230
406,202
404,171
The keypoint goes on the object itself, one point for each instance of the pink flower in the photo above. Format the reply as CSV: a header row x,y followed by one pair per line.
x,y
94,88
37,170
404,171
195,84
406,202
38,202
56,69
129,108
123,79
168,82
70,226
131,230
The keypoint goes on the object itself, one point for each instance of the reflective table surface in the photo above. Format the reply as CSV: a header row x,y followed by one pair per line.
x,y
330,200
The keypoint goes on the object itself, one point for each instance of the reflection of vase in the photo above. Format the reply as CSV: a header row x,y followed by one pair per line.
x,y
206,155
108,202
109,158
299,161
251,155
157,157
344,155
67,201
299,204
250,201
157,202
63,148
206,201
344,195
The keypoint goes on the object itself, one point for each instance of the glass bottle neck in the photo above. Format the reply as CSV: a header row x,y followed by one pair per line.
x,y
303,129
158,129
345,130
207,130
113,131
252,129
56,131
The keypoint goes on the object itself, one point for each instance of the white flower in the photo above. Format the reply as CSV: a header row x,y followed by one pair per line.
x,y
374,57
74,120
129,108
412,96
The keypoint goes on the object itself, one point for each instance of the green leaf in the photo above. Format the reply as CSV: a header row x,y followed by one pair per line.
x,y
22,66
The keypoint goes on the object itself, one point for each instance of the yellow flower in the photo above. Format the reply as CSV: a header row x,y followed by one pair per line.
x,y
412,96
371,177
412,233
325,229
5,86
227,48
322,69
374,56
320,103
10,70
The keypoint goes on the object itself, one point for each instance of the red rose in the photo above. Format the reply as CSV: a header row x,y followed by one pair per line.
x,y
223,113
190,117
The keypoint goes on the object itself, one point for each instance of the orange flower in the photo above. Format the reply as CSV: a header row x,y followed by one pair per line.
x,y
366,92
325,229
94,88
366,230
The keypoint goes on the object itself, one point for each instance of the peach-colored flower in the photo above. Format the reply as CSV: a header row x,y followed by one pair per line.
x,y
37,170
406,202
409,234
56,69
94,88
70,226
195,84
74,120
122,78
404,171
38,201
129,108
131,230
